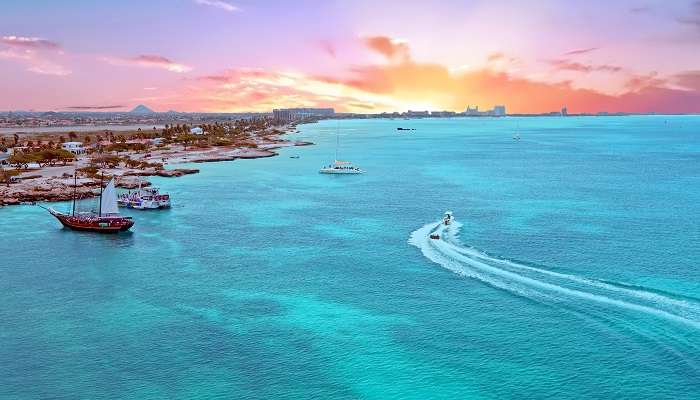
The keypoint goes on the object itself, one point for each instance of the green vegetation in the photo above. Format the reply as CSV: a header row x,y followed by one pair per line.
x,y
42,157
6,175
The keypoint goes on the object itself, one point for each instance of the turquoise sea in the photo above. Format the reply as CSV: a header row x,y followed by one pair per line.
x,y
572,272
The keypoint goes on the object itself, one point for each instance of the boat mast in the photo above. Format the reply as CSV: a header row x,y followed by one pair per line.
x,y
75,187
337,138
101,188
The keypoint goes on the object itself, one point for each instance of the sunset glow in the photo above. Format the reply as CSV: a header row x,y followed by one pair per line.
x,y
360,56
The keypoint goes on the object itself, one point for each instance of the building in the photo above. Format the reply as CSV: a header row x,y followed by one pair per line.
x,y
417,114
498,111
293,114
472,111
74,147
197,131
443,114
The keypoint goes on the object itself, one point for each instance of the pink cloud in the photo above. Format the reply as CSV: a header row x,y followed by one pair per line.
x,y
576,52
392,49
328,48
149,61
567,65
29,43
39,55
689,80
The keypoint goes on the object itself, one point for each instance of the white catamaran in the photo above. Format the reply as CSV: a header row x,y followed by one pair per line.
x,y
340,167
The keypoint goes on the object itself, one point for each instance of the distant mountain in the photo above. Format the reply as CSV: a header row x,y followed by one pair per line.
x,y
141,109
172,112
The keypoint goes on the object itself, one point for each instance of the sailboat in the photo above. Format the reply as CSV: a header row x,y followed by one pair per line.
x,y
340,167
107,218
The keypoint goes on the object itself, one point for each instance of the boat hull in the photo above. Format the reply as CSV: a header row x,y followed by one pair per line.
x,y
338,171
95,224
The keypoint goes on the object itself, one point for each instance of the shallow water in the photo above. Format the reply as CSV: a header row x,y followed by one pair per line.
x,y
573,272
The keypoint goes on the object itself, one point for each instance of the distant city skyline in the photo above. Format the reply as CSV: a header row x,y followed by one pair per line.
x,y
362,57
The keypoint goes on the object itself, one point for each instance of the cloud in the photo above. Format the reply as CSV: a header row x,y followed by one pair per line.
x,y
434,84
149,61
693,17
39,55
576,52
29,43
48,68
327,48
689,80
217,4
495,57
93,107
404,83
643,81
392,49
567,65
240,89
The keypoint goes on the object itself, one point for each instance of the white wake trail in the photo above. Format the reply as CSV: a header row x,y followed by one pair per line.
x,y
542,284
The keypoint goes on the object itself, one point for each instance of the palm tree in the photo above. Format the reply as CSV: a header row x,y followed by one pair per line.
x,y
72,135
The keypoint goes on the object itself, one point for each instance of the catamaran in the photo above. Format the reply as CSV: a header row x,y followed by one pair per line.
x,y
340,167
107,218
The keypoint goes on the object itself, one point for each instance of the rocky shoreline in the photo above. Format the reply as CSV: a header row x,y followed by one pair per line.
x,y
40,186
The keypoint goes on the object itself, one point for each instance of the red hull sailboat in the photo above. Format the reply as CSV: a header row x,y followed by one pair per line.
x,y
107,224
107,219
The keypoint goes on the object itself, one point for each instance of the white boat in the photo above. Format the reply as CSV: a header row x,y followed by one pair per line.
x,y
148,198
340,167
447,218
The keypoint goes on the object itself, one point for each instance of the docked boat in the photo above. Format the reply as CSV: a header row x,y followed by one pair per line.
x,y
106,220
148,198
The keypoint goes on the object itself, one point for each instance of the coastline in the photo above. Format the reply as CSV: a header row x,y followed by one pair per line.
x,y
56,183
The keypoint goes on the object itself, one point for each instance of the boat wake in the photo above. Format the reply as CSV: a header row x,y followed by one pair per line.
x,y
544,285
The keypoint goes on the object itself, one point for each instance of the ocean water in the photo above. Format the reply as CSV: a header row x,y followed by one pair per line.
x,y
572,272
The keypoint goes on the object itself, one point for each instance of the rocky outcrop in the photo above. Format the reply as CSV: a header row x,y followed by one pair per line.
x,y
214,159
170,173
132,183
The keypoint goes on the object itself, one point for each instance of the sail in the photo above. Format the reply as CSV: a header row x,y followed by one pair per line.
x,y
109,199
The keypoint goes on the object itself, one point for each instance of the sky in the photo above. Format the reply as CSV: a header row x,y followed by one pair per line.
x,y
353,55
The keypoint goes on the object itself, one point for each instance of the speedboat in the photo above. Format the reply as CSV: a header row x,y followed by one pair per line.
x,y
341,168
447,218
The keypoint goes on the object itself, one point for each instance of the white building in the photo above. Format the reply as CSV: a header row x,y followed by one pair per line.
x,y
197,131
74,147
